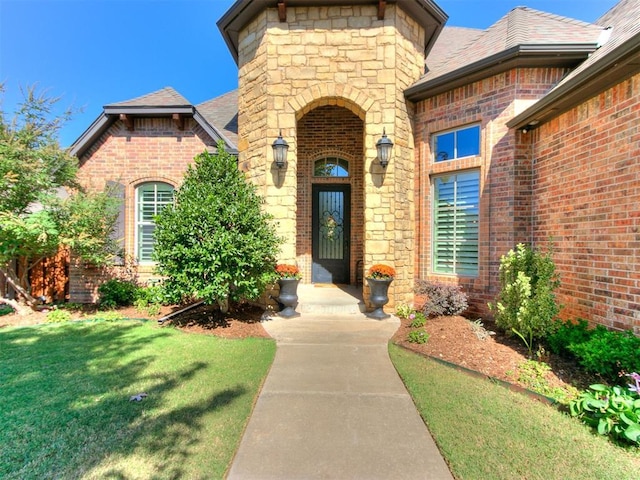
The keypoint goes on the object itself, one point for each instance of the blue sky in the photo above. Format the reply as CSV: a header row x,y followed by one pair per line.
x,y
93,53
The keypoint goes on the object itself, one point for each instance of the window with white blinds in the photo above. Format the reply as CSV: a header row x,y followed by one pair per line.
x,y
455,223
151,198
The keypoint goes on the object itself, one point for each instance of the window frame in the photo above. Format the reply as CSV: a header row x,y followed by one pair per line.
x,y
437,233
455,132
338,162
139,223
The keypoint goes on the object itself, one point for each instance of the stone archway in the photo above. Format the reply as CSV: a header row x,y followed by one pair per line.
x,y
330,131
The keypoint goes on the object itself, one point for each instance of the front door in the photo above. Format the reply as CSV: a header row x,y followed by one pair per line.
x,y
331,215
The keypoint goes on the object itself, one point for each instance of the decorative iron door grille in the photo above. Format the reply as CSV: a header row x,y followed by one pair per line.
x,y
331,233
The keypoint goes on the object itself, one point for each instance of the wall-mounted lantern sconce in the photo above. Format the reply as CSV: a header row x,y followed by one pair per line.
x,y
384,146
280,147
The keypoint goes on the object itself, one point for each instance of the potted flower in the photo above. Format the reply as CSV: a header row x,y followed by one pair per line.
x,y
379,277
288,278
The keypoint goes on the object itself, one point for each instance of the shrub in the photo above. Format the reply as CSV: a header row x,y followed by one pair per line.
x,y
608,353
441,299
117,293
215,242
418,336
153,294
5,309
567,334
598,350
526,304
613,411
58,316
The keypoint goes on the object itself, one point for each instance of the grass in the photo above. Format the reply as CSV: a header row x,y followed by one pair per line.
x,y
65,409
485,431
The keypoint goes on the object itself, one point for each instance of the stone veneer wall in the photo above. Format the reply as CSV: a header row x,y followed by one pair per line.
x,y
505,170
586,198
155,151
340,55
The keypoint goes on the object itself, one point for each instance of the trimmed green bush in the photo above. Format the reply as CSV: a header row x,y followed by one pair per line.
x,y
216,243
598,350
566,334
117,293
608,353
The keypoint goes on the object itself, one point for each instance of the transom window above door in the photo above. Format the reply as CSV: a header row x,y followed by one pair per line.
x,y
331,167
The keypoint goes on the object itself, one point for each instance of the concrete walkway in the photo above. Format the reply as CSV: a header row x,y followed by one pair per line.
x,y
333,407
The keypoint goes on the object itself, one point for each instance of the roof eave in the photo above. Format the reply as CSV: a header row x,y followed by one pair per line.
x,y
91,134
154,111
613,68
534,55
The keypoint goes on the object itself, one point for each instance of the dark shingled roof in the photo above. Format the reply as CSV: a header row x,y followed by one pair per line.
x,y
218,117
624,21
165,97
521,26
222,112
451,38
617,58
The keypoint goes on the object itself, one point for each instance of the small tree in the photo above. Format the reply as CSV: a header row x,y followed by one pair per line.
x,y
526,304
215,243
35,221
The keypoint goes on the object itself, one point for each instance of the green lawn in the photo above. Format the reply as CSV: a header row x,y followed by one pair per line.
x,y
486,432
65,409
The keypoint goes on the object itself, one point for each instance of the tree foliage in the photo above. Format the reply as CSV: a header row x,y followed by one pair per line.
x,y
38,215
215,243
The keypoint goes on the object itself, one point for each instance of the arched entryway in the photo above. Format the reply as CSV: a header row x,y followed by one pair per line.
x,y
330,212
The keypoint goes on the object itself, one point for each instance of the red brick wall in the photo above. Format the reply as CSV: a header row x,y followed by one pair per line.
x,y
505,170
587,200
154,151
329,131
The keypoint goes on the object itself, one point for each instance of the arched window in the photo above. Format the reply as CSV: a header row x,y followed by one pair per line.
x,y
151,198
331,167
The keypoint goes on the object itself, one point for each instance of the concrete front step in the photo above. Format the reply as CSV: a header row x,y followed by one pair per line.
x,y
330,299
320,309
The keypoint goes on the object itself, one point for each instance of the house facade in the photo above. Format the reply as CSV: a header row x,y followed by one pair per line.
x,y
528,131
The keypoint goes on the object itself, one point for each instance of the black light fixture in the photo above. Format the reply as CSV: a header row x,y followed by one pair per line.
x,y
384,146
280,147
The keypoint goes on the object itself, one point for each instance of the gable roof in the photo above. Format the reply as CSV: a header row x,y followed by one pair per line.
x,y
166,97
617,59
222,112
523,37
165,102
426,12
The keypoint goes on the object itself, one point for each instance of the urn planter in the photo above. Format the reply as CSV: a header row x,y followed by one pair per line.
x,y
288,297
379,297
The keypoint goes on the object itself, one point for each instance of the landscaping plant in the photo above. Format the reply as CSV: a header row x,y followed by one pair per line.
x,y
598,350
215,243
441,299
526,304
613,411
35,221
117,293
418,336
